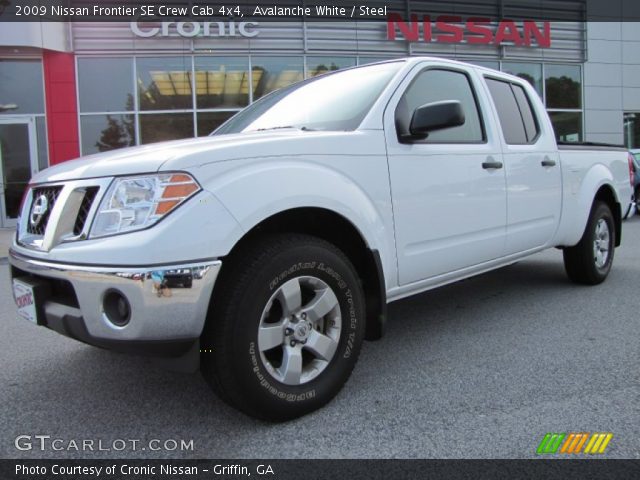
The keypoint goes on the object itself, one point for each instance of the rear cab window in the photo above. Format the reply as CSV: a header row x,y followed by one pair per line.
x,y
518,121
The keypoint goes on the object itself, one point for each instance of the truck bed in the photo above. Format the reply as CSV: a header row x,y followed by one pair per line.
x,y
590,146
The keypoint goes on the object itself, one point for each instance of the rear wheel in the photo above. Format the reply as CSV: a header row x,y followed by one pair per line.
x,y
589,262
285,329
638,200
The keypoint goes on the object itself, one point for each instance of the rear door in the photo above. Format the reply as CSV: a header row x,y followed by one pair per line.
x,y
532,166
448,190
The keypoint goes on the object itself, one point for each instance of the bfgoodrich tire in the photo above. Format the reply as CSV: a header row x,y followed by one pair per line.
x,y
285,327
589,262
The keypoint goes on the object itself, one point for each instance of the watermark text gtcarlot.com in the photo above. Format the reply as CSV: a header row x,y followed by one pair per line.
x,y
47,443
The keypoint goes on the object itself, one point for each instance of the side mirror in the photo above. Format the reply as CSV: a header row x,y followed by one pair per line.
x,y
436,116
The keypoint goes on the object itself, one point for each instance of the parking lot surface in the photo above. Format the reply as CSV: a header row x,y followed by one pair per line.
x,y
480,369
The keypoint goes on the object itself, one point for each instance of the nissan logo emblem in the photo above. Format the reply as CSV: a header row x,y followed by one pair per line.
x,y
39,209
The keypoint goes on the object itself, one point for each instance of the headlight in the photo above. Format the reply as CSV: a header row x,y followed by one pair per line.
x,y
135,203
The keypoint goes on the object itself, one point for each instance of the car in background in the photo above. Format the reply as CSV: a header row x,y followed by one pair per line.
x,y
635,163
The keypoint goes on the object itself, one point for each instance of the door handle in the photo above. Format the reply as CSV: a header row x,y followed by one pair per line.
x,y
547,162
491,164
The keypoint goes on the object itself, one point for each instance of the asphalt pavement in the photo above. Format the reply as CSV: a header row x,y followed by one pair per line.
x,y
6,237
480,369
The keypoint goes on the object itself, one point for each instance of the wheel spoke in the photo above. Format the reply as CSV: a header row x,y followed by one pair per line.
x,y
321,345
293,350
270,335
323,303
291,368
601,243
290,296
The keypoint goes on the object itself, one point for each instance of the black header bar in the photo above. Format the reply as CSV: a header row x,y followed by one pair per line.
x,y
313,10
317,469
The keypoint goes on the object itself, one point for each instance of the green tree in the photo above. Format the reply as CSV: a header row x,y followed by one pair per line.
x,y
120,131
563,92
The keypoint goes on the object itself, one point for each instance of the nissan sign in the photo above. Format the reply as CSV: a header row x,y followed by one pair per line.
x,y
473,30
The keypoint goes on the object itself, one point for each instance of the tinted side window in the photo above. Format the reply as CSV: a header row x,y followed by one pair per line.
x,y
528,117
434,86
508,111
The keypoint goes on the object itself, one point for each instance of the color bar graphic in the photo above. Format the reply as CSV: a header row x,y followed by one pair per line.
x,y
598,443
573,442
550,443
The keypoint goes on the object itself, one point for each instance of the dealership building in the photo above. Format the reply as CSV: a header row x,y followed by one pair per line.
x,y
71,89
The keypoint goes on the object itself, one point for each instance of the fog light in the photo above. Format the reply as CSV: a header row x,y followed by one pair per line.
x,y
116,308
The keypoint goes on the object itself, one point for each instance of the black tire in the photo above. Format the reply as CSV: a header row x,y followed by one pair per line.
x,y
231,360
580,261
637,195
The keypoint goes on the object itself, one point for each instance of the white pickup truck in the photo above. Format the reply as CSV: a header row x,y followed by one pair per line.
x,y
269,250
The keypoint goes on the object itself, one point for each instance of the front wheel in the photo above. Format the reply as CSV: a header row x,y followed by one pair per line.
x,y
285,328
589,262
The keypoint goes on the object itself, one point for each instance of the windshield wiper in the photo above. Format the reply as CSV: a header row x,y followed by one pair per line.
x,y
304,129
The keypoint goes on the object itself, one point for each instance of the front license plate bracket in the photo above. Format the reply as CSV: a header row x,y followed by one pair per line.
x,y
40,290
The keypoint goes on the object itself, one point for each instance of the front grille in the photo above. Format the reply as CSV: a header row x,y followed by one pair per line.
x,y
37,221
85,208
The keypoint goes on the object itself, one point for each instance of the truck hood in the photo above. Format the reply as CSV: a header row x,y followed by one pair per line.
x,y
181,154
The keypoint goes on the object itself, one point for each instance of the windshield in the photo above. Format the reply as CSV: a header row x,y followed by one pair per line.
x,y
336,101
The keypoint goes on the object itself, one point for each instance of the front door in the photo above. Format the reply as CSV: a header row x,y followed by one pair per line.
x,y
18,163
448,189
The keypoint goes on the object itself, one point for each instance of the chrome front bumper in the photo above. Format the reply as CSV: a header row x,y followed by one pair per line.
x,y
168,303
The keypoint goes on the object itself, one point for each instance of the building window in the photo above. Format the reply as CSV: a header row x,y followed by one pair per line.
x,y
632,129
209,121
164,83
222,82
122,114
319,65
116,90
563,86
101,133
272,73
158,127
107,121
21,87
563,99
567,126
22,93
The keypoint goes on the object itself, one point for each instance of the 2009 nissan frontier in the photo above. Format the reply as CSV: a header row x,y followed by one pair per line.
x,y
270,249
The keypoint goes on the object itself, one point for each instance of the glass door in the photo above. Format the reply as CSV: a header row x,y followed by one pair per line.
x,y
18,163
